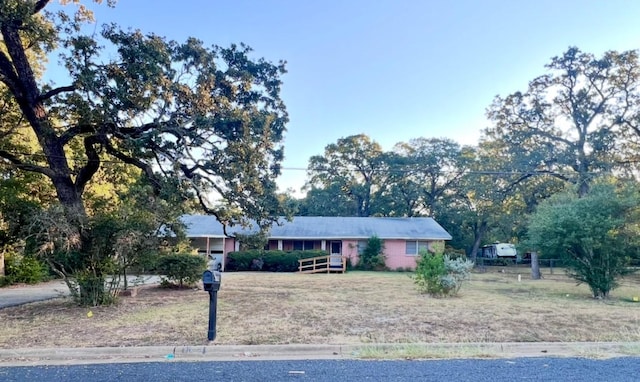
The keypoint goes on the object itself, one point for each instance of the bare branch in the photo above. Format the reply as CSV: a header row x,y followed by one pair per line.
x,y
53,92
211,211
18,163
75,131
93,163
40,4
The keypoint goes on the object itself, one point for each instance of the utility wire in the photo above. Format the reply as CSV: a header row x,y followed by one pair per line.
x,y
389,169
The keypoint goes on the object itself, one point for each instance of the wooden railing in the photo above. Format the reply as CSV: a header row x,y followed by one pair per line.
x,y
326,264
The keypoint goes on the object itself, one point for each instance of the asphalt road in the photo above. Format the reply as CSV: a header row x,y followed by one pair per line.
x,y
518,369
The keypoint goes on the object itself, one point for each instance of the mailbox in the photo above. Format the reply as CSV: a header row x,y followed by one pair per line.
x,y
211,283
207,280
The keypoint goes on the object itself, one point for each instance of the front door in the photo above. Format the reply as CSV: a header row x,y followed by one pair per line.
x,y
336,254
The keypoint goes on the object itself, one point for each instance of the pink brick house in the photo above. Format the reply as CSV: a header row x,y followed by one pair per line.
x,y
403,238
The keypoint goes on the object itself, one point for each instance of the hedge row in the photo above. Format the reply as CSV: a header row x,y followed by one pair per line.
x,y
268,261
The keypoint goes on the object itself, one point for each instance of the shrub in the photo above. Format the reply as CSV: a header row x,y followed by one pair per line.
x,y
241,261
372,257
24,269
441,275
183,268
595,234
430,270
268,261
458,271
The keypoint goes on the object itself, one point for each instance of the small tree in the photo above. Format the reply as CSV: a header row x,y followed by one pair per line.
x,y
430,270
595,235
441,275
372,257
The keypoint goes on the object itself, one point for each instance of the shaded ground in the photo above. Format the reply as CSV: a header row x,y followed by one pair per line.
x,y
355,308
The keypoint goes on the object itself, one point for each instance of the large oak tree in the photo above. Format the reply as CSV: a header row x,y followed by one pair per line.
x,y
573,122
201,122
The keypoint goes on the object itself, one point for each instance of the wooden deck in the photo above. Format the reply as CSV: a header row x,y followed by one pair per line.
x,y
323,264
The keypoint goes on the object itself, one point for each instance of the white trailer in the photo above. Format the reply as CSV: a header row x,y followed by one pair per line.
x,y
499,251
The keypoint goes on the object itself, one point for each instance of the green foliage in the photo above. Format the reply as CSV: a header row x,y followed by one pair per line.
x,y
440,275
372,257
353,168
90,289
595,235
454,253
571,121
436,167
183,268
23,269
268,261
130,103
429,272
253,241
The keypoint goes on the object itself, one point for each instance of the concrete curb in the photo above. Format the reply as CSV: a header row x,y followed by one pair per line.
x,y
65,356
51,356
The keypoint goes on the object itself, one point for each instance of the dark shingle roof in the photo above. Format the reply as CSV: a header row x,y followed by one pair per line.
x,y
329,227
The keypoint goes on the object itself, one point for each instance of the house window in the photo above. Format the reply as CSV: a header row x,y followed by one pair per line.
x,y
362,245
414,247
303,245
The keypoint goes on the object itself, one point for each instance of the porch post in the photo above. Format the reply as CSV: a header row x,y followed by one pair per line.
x,y
224,252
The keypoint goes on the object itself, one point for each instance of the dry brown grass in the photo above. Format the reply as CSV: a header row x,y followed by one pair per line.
x,y
354,308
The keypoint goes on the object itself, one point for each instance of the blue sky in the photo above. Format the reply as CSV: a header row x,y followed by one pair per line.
x,y
392,69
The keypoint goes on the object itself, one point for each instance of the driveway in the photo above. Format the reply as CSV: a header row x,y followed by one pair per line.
x,y
23,294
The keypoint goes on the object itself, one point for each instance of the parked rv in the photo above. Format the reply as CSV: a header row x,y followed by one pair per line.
x,y
498,251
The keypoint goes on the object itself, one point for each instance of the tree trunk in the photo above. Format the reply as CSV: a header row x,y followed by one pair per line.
x,y
478,233
535,266
2,264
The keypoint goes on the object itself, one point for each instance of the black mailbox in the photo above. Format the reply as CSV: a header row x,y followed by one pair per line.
x,y
211,283
208,280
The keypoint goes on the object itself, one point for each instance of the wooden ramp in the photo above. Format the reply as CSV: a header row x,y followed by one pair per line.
x,y
323,264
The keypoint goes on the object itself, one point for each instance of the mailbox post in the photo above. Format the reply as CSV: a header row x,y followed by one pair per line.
x,y
211,283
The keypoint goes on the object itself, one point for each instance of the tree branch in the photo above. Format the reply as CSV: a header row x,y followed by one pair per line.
x,y
148,171
74,131
93,163
40,4
16,162
56,91
8,75
211,211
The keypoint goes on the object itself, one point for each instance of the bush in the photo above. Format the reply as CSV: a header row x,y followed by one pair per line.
x,y
458,271
596,234
430,270
372,257
24,269
440,275
183,268
268,261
